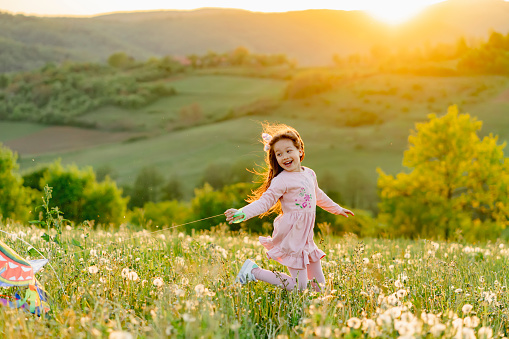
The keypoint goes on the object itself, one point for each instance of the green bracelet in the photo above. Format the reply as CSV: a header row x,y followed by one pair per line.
x,y
238,214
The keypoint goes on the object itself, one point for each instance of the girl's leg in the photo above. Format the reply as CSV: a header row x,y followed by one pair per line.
x,y
300,276
280,279
315,272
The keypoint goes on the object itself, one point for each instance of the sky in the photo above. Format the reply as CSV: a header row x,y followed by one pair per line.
x,y
391,11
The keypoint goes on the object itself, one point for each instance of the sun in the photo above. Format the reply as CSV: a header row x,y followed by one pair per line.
x,y
395,12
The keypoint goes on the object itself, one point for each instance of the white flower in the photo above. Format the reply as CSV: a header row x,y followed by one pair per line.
x,y
120,335
403,277
354,323
466,309
133,276
93,269
458,290
188,318
407,255
401,293
93,253
383,320
485,333
467,333
437,329
398,284
124,273
199,289
158,282
365,261
323,331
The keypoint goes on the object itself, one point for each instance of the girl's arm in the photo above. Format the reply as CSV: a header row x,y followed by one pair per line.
x,y
268,199
327,203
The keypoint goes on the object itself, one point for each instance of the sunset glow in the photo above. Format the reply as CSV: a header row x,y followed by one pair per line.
x,y
390,11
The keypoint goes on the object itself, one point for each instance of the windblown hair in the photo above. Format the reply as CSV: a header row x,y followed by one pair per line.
x,y
272,167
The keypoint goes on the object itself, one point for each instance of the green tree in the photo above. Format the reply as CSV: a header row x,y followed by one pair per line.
x,y
173,189
455,181
120,60
146,187
14,198
78,195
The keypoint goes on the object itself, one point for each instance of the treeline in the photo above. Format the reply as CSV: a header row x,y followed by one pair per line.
x,y
455,187
240,56
460,58
60,94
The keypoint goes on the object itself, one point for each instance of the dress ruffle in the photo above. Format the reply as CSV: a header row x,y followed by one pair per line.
x,y
298,261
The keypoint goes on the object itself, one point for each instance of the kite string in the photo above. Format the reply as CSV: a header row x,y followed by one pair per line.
x,y
147,233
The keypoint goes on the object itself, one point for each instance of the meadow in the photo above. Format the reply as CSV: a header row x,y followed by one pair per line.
x,y
127,283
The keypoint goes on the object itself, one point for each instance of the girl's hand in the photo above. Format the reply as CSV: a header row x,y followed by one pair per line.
x,y
229,215
345,212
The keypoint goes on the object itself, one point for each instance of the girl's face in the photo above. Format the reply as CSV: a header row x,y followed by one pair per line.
x,y
287,155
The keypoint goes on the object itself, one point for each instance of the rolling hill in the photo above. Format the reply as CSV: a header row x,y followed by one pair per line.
x,y
311,37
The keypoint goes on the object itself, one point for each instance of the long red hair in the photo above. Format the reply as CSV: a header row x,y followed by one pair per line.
x,y
272,168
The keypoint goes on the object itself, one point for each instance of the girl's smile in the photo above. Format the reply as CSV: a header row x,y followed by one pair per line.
x,y
287,155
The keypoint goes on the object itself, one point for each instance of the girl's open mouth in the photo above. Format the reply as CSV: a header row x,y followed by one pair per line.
x,y
288,163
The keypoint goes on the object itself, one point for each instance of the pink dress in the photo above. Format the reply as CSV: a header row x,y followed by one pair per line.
x,y
292,242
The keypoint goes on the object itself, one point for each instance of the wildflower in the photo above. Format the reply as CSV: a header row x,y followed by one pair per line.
x,y
93,253
467,333
392,300
365,261
188,318
93,269
401,293
132,276
323,331
466,309
485,333
407,255
458,290
398,284
199,289
457,323
404,328
120,335
403,277
354,323
481,279
383,320
158,282
185,281
437,329
124,273
471,322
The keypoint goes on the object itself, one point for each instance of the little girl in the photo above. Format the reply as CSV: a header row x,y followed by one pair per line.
x,y
289,187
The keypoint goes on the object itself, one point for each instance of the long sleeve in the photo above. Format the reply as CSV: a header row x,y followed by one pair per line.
x,y
268,199
324,201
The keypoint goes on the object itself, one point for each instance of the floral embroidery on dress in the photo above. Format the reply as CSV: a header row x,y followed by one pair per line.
x,y
304,199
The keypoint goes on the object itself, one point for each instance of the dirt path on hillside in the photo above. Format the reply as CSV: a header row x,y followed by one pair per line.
x,y
64,138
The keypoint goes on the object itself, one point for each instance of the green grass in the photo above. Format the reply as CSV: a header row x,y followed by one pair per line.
x,y
399,100
215,95
12,130
170,284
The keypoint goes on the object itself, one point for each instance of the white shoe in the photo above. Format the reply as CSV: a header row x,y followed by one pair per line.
x,y
245,274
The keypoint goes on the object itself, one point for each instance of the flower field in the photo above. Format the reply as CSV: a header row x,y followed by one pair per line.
x,y
136,284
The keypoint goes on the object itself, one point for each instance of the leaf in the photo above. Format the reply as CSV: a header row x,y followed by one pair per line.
x,y
76,243
35,221
32,252
46,237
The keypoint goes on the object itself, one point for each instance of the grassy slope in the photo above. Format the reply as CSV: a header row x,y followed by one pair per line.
x,y
215,94
12,130
329,147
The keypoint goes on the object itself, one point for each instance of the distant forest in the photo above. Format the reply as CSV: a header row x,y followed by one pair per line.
x,y
309,37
